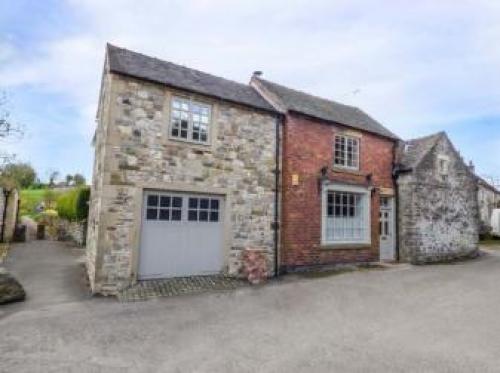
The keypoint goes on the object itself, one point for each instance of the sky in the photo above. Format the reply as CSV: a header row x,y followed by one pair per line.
x,y
416,67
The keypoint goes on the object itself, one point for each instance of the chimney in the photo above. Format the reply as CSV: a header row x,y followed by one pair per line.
x,y
257,74
472,167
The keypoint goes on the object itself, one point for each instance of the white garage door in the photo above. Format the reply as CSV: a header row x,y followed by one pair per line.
x,y
181,235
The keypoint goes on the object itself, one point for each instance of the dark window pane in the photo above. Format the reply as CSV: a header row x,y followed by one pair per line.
x,y
203,137
184,124
177,201
330,198
193,203
164,214
193,215
337,211
337,198
345,199
196,136
184,134
203,216
204,203
152,200
214,204
330,210
351,211
165,201
175,132
344,210
176,215
151,214
214,216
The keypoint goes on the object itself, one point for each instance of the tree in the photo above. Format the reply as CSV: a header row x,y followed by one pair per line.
x,y
9,129
69,179
54,175
79,179
23,174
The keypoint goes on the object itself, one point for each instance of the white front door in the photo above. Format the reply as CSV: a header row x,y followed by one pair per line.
x,y
386,229
181,235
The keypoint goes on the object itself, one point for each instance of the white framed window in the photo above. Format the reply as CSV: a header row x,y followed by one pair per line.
x,y
346,152
346,214
190,120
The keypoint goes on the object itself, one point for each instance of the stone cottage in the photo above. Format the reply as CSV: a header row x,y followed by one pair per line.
x,y
337,188
488,199
185,173
438,205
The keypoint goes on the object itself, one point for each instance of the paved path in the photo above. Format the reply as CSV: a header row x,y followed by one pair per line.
x,y
50,272
439,318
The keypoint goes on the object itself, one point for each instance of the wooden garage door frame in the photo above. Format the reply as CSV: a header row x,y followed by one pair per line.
x,y
186,194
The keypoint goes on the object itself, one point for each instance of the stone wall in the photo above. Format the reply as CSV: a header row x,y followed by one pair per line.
x,y
134,152
94,232
438,220
10,214
73,231
488,200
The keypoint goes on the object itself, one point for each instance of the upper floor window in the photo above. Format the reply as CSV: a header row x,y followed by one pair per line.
x,y
443,164
346,152
190,120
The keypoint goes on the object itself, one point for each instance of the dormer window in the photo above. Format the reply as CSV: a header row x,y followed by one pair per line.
x,y
346,152
190,120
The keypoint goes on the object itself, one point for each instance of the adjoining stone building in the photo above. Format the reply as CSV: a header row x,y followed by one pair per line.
x,y
438,205
489,199
185,173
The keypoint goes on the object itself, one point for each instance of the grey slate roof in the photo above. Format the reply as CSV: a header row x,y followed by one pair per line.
x,y
328,110
137,65
486,184
416,149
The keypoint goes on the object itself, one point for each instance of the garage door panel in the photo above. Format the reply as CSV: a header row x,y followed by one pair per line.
x,y
181,235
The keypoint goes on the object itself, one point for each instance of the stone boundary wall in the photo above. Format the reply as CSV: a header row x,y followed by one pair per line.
x,y
73,231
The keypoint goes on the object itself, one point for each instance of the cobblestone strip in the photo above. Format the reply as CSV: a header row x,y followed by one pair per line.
x,y
150,289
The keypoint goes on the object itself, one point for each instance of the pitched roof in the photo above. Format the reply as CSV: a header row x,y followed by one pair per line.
x,y
126,62
324,109
486,184
416,149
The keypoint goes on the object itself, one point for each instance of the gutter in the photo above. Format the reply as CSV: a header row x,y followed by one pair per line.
x,y
277,173
396,171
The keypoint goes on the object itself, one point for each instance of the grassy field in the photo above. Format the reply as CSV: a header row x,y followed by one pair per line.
x,y
30,198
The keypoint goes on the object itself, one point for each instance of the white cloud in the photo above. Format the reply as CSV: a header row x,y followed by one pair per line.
x,y
419,66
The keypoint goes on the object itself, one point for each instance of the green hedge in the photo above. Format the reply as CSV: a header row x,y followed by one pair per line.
x,y
74,204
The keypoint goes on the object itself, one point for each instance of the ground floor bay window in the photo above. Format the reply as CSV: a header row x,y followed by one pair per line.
x,y
345,215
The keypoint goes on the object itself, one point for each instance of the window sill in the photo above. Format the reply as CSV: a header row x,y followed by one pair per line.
x,y
205,147
342,246
347,170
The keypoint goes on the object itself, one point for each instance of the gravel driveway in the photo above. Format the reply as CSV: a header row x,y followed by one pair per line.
x,y
439,318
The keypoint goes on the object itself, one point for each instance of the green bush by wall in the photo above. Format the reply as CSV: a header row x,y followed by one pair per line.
x,y
73,204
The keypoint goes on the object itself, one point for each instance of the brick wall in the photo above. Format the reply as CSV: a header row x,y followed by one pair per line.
x,y
307,147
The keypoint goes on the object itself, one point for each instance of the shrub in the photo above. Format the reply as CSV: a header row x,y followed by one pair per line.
x,y
82,203
73,204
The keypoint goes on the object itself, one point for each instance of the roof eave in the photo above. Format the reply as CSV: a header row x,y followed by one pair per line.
x,y
269,111
392,138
